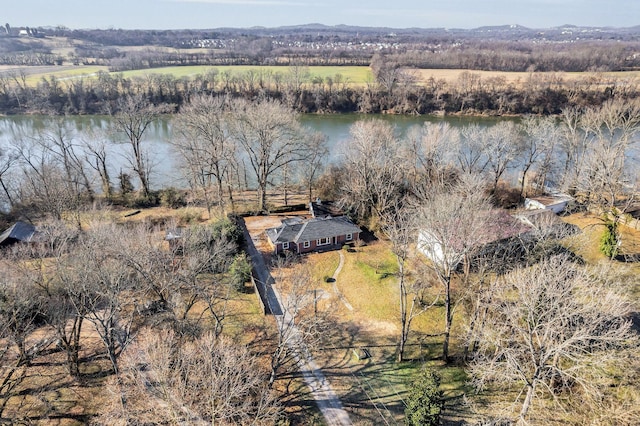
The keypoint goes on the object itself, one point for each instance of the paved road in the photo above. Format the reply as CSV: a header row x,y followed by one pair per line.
x,y
326,399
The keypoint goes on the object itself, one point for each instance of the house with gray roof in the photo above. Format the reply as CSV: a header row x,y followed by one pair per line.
x,y
315,234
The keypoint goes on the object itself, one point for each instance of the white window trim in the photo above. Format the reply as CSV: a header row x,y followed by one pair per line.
x,y
285,245
327,241
349,237
306,244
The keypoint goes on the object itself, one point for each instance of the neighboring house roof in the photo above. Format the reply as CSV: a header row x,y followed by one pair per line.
x,y
19,231
502,226
556,203
296,230
546,222
499,225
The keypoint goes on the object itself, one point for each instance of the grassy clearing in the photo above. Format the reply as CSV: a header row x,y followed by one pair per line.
x,y
586,245
373,389
353,75
350,74
62,73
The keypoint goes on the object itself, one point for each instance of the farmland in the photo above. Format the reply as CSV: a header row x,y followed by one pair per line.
x,y
356,76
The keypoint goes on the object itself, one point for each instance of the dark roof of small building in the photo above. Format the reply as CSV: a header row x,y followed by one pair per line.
x,y
321,208
311,229
19,231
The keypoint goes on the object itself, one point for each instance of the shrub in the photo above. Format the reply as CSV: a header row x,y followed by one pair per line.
x,y
188,216
425,400
240,271
610,241
172,198
145,201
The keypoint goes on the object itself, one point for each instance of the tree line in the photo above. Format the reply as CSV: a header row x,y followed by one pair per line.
x,y
229,145
500,49
394,89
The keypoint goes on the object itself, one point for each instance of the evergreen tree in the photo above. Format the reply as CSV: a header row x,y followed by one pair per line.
x,y
425,401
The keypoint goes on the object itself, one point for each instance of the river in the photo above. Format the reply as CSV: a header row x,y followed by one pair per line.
x,y
165,162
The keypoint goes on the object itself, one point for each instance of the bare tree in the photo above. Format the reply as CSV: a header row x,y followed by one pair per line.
x,y
132,116
374,169
95,145
57,139
107,290
607,181
206,146
8,162
199,274
611,130
536,149
316,160
500,145
270,137
572,146
551,327
20,314
470,154
399,226
55,272
44,185
431,148
205,381
452,223
20,310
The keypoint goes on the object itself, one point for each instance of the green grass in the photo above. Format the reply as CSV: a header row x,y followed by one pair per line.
x,y
357,75
323,265
368,283
65,73
350,74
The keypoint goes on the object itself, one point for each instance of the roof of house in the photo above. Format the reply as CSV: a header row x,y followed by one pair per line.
x,y
498,225
546,221
19,231
296,230
550,200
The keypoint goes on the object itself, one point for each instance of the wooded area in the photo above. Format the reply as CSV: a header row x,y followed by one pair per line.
x,y
111,315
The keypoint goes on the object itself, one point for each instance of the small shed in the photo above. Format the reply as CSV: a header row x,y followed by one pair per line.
x,y
320,208
18,232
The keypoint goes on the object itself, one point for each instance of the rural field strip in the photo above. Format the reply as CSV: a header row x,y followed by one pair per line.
x,y
327,400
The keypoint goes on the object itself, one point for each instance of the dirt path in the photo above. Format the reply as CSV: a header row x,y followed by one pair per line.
x,y
326,399
343,299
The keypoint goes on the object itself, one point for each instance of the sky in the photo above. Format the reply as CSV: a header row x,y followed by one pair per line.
x,y
202,14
